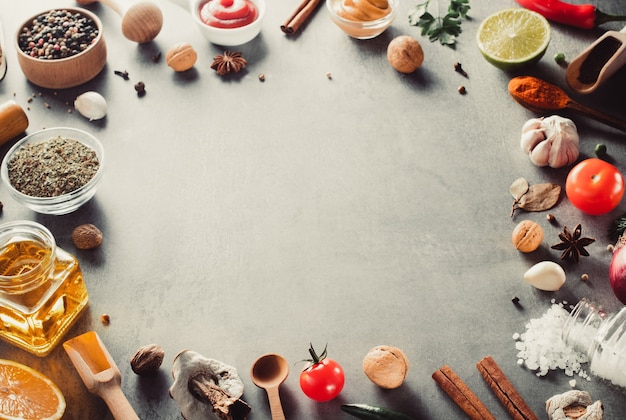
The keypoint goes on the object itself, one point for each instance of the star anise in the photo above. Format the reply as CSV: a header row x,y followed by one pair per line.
x,y
572,245
229,62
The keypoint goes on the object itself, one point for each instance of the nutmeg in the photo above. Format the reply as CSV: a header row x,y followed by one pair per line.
x,y
181,57
527,236
405,54
87,236
147,359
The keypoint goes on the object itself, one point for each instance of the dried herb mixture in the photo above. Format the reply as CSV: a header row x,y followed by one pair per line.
x,y
52,167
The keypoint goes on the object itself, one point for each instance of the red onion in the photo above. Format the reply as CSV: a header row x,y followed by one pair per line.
x,y
617,270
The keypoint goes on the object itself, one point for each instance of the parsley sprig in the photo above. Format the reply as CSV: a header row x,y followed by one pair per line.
x,y
443,29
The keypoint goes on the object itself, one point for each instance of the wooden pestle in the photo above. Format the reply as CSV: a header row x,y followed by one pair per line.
x,y
13,121
141,22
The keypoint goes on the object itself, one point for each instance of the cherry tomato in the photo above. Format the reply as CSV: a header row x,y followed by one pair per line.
x,y
323,379
595,186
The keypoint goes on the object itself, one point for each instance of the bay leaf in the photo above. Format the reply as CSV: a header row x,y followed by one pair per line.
x,y
518,188
540,197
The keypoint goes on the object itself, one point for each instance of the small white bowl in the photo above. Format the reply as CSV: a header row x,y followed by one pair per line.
x,y
362,29
65,203
229,36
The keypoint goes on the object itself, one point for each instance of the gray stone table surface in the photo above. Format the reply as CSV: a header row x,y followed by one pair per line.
x,y
243,217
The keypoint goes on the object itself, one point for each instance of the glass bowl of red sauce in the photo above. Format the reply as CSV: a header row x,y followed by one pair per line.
x,y
228,22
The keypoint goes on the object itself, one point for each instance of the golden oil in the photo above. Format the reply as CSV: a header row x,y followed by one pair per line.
x,y
42,290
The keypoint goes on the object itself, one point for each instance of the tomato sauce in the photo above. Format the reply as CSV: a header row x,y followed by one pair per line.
x,y
228,13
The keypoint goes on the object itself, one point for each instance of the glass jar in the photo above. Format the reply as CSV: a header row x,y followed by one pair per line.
x,y
42,290
600,335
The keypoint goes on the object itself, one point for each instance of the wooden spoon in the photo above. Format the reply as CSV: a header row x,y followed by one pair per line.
x,y
269,372
543,97
598,62
99,372
141,22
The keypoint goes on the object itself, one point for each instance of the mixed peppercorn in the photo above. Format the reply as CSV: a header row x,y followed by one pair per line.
x,y
57,34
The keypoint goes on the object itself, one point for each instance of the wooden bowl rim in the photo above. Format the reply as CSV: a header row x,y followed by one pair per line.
x,y
80,10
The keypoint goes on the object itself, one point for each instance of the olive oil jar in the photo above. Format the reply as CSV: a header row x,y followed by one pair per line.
x,y
42,289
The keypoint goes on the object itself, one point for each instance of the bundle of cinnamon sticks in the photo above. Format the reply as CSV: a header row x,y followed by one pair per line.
x,y
499,384
299,16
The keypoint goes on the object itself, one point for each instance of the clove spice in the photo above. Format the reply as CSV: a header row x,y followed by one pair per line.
x,y
459,69
140,88
122,74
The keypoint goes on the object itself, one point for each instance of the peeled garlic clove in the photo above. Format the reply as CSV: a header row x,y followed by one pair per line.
x,y
91,105
546,275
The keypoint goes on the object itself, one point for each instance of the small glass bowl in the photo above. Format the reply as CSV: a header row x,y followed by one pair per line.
x,y
229,36
362,29
65,203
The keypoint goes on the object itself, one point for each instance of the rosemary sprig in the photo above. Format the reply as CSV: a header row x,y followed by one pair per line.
x,y
443,29
617,228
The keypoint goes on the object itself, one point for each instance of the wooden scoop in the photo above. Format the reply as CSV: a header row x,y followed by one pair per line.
x,y
141,22
598,62
99,372
269,372
543,97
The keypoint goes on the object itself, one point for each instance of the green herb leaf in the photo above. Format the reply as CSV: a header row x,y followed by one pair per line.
x,y
460,7
444,29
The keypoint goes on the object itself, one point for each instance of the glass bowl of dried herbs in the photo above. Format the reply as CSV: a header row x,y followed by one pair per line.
x,y
55,170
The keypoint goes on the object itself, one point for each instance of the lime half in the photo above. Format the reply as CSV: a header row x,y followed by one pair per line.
x,y
513,38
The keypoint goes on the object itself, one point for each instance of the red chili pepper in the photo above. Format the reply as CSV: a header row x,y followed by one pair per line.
x,y
584,16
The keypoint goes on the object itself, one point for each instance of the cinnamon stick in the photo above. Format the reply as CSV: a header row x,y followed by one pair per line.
x,y
460,393
504,390
299,16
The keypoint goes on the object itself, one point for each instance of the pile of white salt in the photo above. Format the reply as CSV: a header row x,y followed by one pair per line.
x,y
541,348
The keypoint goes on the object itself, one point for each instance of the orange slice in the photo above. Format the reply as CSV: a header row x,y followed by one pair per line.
x,y
26,394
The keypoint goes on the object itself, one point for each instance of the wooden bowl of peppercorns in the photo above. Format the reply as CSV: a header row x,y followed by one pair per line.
x,y
61,48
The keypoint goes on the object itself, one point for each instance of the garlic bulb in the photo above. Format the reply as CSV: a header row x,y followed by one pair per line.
x,y
91,105
551,141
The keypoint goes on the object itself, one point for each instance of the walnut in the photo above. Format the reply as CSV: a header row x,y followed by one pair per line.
x,y
147,359
386,366
86,236
229,62
181,57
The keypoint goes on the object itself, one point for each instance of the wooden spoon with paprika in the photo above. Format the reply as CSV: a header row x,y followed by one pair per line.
x,y
542,97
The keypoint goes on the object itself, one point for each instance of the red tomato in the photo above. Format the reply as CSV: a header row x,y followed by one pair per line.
x,y
595,186
323,380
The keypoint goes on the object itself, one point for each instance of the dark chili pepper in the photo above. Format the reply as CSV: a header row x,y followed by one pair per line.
x,y
584,16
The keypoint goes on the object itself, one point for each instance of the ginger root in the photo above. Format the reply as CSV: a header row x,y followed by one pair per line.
x,y
207,389
574,405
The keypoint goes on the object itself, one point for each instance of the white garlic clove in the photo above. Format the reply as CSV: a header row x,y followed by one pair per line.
x,y
532,124
91,105
530,140
546,275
